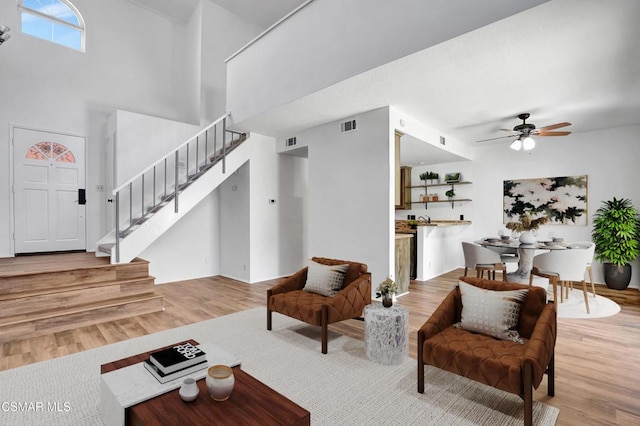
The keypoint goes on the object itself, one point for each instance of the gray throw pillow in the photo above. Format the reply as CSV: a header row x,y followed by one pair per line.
x,y
489,312
326,280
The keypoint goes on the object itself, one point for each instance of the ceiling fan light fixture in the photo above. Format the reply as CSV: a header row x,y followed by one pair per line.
x,y
528,143
516,144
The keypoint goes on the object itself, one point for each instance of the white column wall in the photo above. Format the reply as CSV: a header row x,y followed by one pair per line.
x,y
277,229
234,210
350,196
260,240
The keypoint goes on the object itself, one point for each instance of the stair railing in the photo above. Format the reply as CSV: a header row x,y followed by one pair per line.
x,y
162,181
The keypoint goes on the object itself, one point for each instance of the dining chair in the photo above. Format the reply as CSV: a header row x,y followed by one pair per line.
x,y
586,245
507,254
561,266
482,259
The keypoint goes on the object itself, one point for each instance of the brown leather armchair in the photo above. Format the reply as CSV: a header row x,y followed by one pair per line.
x,y
288,298
503,364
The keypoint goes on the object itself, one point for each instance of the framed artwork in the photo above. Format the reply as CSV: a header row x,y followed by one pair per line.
x,y
562,199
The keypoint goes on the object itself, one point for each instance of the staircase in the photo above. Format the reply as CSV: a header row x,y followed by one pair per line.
x,y
46,294
148,204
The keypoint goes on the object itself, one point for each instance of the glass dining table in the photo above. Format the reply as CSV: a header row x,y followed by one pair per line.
x,y
526,253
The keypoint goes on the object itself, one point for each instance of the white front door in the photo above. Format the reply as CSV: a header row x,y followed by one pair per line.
x,y
48,191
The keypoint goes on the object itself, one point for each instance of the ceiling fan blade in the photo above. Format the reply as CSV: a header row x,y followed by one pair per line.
x,y
507,130
501,137
555,126
543,133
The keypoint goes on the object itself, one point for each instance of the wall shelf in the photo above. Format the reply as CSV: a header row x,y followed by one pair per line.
x,y
443,200
441,184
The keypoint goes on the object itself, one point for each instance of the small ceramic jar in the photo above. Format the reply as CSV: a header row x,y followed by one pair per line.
x,y
220,381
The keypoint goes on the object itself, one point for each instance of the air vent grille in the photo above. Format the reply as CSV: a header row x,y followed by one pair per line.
x,y
348,126
291,141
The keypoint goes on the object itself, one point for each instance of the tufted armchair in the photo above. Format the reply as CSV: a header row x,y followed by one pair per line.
x,y
503,364
289,298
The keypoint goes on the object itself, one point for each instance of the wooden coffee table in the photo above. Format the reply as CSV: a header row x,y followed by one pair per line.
x,y
251,403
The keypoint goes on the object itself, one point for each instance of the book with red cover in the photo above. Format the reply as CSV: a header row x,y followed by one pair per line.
x,y
177,357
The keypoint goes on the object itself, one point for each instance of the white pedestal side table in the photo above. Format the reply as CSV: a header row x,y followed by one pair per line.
x,y
386,334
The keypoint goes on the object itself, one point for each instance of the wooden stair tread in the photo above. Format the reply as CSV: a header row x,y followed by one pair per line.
x,y
53,313
32,265
56,290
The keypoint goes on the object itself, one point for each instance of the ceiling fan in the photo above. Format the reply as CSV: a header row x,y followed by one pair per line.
x,y
524,131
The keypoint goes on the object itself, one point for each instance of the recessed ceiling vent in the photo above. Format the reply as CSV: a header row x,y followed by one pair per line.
x,y
348,126
291,141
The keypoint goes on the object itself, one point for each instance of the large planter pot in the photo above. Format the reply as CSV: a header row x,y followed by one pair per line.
x,y
617,277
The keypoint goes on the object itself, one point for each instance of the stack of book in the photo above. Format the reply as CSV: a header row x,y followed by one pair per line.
x,y
174,362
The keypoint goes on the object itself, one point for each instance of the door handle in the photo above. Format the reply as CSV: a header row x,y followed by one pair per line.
x,y
110,200
82,199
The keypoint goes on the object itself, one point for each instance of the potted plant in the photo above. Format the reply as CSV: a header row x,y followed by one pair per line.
x,y
424,176
386,289
526,225
450,193
616,234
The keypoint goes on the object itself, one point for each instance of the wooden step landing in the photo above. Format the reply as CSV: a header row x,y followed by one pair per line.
x,y
50,293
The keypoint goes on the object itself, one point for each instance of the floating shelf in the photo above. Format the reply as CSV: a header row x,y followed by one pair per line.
x,y
442,184
441,201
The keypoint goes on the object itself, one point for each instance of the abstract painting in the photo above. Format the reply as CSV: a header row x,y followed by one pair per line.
x,y
562,199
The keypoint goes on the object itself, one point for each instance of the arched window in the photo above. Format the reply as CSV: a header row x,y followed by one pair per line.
x,y
57,21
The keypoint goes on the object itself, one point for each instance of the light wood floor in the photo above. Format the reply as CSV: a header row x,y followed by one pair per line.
x,y
597,379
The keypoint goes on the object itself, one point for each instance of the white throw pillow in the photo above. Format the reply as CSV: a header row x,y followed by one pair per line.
x,y
494,313
326,280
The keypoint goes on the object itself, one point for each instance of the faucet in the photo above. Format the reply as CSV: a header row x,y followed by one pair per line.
x,y
427,219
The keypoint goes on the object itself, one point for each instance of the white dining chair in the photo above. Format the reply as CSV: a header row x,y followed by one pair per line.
x,y
482,259
561,266
586,245
507,254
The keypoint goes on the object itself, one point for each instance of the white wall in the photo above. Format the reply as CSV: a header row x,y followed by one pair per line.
x,y
609,158
350,199
222,34
133,60
441,249
278,230
260,240
142,140
235,259
189,249
354,37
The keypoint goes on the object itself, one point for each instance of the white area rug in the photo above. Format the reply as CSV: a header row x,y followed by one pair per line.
x,y
574,307
340,388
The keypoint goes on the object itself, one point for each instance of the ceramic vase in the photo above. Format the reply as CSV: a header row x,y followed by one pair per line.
x,y
189,390
527,237
220,381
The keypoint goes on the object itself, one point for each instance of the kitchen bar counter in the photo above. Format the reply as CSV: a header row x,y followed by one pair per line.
x,y
402,226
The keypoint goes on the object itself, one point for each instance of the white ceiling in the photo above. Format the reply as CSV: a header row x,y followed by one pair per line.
x,y
262,13
565,60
